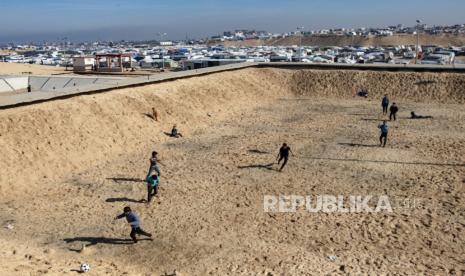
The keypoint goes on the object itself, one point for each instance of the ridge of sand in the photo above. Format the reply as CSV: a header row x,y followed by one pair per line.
x,y
73,164
58,137
55,138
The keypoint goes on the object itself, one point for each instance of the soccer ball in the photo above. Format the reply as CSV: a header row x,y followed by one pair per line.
x,y
85,268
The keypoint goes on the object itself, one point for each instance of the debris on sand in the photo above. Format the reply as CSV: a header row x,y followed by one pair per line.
x,y
332,258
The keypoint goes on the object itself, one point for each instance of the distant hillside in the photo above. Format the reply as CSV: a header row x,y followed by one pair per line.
x,y
336,40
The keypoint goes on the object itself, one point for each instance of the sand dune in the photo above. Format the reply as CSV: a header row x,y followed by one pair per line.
x,y
69,166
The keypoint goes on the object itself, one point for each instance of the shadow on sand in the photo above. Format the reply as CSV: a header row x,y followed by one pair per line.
x,y
124,199
258,151
149,115
358,145
390,162
96,240
266,166
296,99
372,119
358,114
125,179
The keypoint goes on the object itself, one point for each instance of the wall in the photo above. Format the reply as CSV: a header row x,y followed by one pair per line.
x,y
11,84
4,87
48,83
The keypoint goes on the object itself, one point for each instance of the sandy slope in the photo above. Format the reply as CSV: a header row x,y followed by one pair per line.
x,y
18,69
336,40
73,164
419,87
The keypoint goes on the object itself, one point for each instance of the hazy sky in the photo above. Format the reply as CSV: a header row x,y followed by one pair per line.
x,y
38,20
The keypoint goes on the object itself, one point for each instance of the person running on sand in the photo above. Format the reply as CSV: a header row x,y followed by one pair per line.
x,y
154,164
393,111
134,222
175,133
152,186
155,114
384,133
385,104
284,154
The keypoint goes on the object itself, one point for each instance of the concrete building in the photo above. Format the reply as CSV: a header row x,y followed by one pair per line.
x,y
106,63
83,64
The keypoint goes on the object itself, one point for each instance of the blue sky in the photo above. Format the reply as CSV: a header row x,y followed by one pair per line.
x,y
24,20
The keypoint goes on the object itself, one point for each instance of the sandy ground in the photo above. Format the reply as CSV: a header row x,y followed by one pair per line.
x,y
19,69
73,164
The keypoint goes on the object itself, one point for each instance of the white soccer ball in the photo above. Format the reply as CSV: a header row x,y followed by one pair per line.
x,y
85,268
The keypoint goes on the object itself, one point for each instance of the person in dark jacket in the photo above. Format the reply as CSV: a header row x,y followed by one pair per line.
x,y
384,133
154,164
175,133
284,154
385,104
393,110
134,222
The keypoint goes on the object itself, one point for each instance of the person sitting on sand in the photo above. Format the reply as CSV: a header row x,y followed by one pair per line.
x,y
363,93
134,222
415,116
175,133
152,186
284,154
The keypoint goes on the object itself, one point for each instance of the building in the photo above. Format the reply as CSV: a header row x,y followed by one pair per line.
x,y
166,43
103,63
83,64
112,62
158,63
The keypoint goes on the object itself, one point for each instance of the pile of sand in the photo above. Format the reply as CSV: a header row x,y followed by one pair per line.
x,y
55,139
69,166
